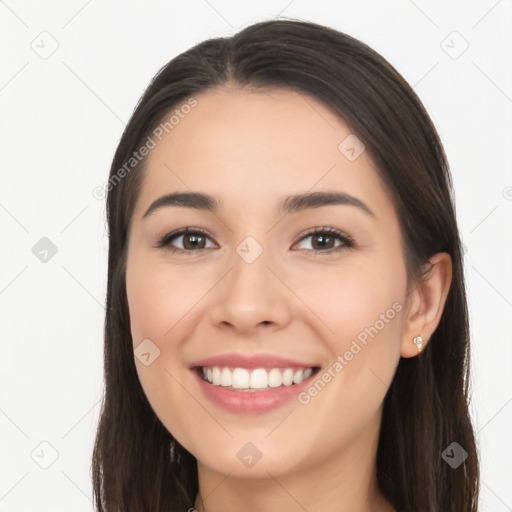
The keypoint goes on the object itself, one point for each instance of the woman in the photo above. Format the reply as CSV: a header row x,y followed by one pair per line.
x,y
286,321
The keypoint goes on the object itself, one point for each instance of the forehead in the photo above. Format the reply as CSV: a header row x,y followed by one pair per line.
x,y
255,145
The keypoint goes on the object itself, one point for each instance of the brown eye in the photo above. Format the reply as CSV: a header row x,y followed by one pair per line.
x,y
191,240
325,240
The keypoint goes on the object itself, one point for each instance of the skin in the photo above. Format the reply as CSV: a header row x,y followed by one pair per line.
x,y
249,150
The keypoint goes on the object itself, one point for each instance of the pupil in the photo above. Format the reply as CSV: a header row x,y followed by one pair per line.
x,y
194,238
322,237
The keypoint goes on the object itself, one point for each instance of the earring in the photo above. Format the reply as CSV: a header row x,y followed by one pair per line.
x,y
418,341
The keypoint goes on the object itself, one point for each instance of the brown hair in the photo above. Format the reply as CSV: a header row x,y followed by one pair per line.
x,y
137,465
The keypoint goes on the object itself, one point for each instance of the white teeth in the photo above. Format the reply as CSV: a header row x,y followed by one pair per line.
x,y
298,376
226,379
216,376
240,378
288,377
259,378
275,379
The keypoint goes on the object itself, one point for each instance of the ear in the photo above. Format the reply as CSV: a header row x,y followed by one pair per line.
x,y
426,303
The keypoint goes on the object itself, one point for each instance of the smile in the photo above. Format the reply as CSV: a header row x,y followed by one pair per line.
x,y
252,391
244,379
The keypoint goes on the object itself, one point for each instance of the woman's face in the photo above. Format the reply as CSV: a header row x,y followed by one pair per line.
x,y
257,281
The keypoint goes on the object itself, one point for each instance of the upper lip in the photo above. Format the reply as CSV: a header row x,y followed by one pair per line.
x,y
250,361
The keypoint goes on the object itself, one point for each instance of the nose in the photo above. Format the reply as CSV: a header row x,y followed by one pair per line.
x,y
251,297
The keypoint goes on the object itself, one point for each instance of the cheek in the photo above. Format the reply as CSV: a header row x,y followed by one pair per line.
x,y
162,302
356,302
155,308
362,305
159,299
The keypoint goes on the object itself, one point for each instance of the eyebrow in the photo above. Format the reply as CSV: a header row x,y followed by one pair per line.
x,y
294,203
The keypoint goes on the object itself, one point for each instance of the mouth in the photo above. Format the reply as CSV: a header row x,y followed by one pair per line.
x,y
250,380
253,384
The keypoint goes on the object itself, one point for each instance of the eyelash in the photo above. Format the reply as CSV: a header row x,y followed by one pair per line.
x,y
347,241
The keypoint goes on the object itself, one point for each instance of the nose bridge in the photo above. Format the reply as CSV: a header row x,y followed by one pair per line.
x,y
250,293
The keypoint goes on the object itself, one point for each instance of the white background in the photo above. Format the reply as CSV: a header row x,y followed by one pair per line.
x,y
61,118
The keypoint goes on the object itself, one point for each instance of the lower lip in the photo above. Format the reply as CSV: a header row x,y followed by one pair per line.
x,y
247,402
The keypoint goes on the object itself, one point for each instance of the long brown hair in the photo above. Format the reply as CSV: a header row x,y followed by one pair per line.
x,y
137,465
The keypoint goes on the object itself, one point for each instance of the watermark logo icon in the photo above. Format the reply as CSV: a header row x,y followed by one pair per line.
x,y
454,45
44,44
44,250
44,455
351,147
249,249
249,455
147,352
454,455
